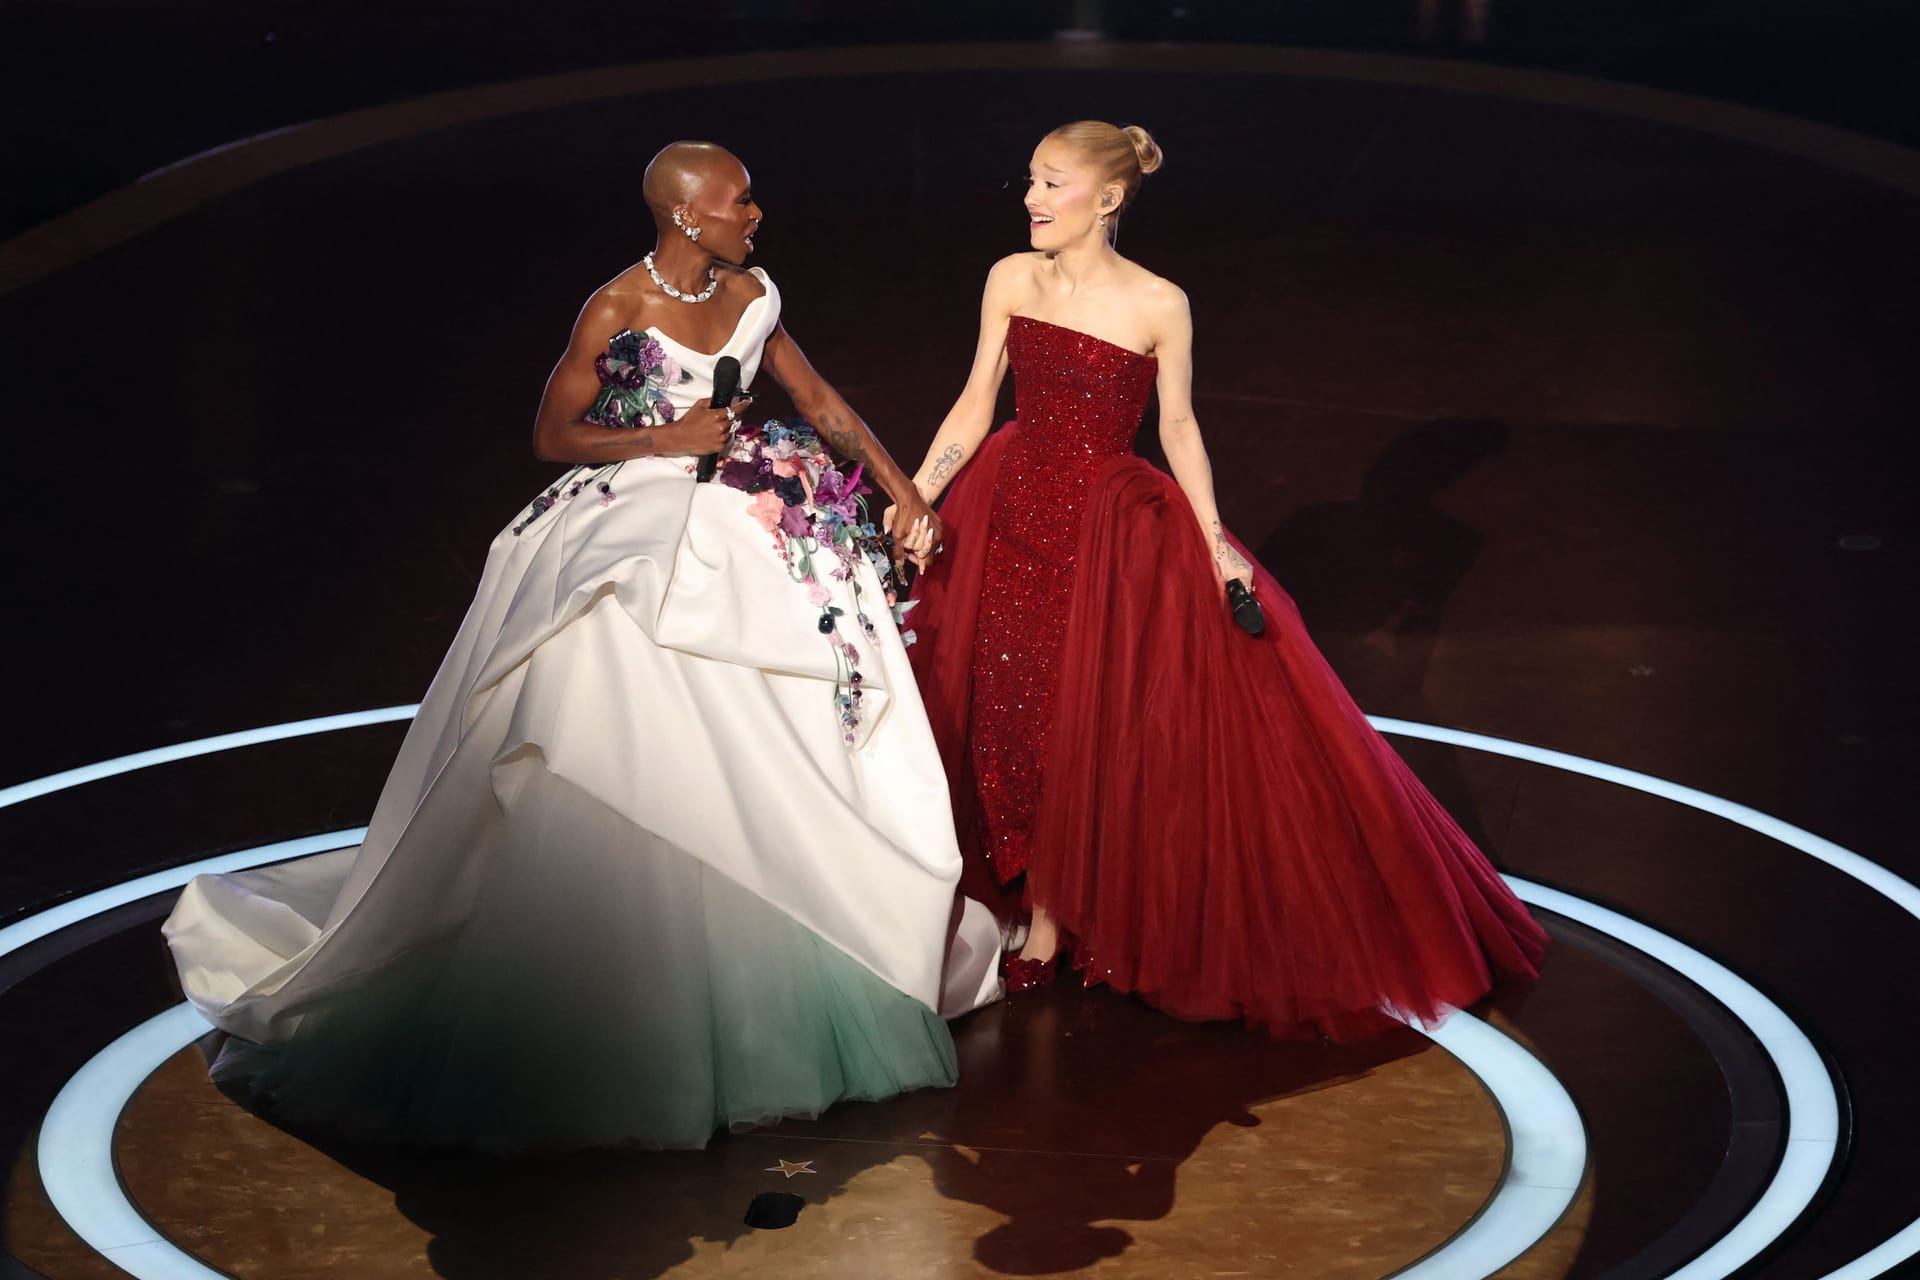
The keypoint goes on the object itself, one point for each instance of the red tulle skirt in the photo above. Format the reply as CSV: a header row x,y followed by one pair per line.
x,y
1218,824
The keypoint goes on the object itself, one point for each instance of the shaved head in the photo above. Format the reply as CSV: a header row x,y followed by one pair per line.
x,y
697,189
681,169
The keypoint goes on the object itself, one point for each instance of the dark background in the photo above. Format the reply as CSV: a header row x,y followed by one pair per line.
x,y
98,92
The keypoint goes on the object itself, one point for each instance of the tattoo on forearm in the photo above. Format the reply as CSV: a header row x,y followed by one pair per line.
x,y
1223,550
945,465
1174,422
850,442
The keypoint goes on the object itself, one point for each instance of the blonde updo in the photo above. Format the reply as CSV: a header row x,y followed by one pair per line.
x,y
1120,154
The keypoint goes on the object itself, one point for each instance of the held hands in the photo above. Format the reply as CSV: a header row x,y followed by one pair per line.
x,y
915,529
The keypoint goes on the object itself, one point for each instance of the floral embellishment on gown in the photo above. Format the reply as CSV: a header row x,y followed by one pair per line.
x,y
815,510
635,372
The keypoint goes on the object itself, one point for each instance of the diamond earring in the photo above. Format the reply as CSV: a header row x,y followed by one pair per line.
x,y
692,233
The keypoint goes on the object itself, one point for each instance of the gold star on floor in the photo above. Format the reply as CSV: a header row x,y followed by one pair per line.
x,y
791,1167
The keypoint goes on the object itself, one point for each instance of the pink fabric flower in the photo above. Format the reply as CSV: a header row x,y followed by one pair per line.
x,y
767,508
818,594
785,466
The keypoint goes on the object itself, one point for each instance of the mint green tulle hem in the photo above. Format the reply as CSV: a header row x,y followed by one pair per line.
x,y
647,1005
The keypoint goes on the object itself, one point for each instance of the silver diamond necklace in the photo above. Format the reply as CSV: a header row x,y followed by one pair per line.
x,y
713,282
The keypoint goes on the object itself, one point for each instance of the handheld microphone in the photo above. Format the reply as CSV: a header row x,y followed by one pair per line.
x,y
1246,610
726,385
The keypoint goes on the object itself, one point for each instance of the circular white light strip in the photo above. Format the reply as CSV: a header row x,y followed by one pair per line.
x,y
1812,1111
199,747
40,924
1903,893
1812,1131
1547,1157
1786,1195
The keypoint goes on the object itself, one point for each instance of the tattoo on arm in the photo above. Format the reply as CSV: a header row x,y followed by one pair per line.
x,y
1174,422
850,442
944,466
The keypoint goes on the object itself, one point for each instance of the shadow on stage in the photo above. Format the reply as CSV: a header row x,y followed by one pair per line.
x,y
1076,1110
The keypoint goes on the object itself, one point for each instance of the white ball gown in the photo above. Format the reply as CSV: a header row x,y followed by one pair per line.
x,y
634,877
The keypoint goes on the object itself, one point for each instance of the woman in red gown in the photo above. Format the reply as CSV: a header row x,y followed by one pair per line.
x,y
1202,817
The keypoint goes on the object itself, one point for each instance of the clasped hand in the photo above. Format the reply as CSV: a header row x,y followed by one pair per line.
x,y
701,429
915,528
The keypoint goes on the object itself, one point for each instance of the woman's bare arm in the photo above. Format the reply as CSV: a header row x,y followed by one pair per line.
x,y
562,434
971,417
1180,432
847,433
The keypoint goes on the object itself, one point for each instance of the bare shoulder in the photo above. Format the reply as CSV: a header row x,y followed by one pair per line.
x,y
1015,271
614,306
1158,296
741,283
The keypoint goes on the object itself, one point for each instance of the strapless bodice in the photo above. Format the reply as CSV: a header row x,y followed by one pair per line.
x,y
1074,392
648,378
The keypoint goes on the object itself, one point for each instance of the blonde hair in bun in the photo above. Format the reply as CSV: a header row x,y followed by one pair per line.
x,y
1122,154
1145,149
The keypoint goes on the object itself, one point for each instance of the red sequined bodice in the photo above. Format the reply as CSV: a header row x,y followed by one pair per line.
x,y
1079,399
1075,394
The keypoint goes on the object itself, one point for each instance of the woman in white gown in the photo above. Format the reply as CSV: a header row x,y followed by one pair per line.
x,y
668,847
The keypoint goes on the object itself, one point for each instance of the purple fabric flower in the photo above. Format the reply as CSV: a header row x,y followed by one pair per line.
x,y
738,474
838,493
612,372
793,522
625,345
665,409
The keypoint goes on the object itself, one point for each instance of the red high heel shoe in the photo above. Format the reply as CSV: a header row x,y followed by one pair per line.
x,y
1028,975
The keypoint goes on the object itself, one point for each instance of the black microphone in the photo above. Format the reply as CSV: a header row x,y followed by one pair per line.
x,y
1246,610
726,385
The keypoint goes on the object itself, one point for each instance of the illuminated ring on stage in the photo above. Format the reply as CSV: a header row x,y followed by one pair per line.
x,y
1547,1149
199,747
1812,1115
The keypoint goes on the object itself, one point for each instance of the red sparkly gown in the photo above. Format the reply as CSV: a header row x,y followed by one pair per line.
x,y
1207,812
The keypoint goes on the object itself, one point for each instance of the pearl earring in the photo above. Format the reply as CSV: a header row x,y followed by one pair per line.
x,y
1103,219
